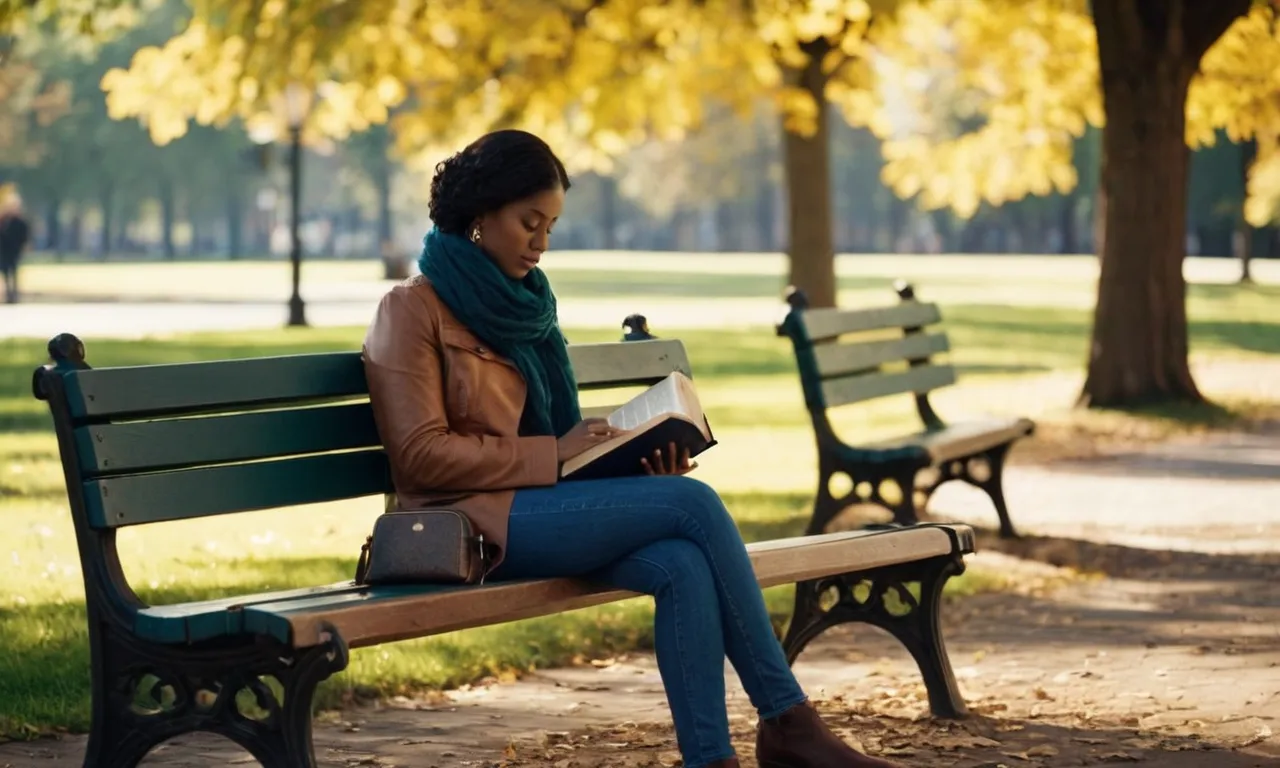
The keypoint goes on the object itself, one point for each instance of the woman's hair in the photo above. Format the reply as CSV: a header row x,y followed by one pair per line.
x,y
493,171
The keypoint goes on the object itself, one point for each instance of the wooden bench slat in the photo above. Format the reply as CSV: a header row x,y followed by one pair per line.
x,y
174,443
113,502
830,323
623,363
853,389
158,390
843,359
965,438
379,615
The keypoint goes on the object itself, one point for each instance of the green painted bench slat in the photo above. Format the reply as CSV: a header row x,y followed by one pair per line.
x,y
825,324
844,359
114,502
853,389
209,619
159,390
169,444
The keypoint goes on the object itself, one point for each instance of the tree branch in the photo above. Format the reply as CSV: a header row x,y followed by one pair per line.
x,y
1204,22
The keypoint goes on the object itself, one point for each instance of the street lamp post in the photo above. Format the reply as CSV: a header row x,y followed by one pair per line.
x,y
297,104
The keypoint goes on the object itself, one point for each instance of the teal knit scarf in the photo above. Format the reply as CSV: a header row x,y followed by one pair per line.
x,y
517,318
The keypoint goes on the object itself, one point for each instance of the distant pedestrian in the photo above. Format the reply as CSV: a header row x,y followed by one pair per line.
x,y
15,232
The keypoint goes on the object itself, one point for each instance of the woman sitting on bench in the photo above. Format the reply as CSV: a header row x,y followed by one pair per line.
x,y
477,406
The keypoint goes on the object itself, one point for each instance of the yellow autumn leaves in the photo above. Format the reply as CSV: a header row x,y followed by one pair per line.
x,y
1024,84
975,101
993,94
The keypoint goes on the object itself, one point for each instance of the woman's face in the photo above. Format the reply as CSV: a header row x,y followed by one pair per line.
x,y
517,235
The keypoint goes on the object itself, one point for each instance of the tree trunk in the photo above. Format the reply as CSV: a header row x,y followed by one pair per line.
x,y
726,227
944,225
166,218
193,247
107,200
898,215
235,225
75,232
765,217
1070,242
1248,153
609,212
53,227
1148,51
386,220
808,172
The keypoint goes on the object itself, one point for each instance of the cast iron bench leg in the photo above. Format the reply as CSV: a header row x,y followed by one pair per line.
x,y
826,507
146,693
864,597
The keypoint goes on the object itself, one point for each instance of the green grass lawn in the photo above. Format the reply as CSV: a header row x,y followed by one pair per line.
x,y
1021,358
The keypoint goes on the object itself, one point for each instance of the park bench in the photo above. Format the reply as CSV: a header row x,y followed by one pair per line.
x,y
146,444
889,354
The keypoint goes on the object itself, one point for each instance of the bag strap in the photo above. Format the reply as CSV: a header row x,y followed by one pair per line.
x,y
362,565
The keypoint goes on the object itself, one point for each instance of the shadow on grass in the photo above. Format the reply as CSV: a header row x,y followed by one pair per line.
x,y
1249,336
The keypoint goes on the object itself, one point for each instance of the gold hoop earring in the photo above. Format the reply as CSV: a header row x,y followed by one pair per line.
x,y
475,234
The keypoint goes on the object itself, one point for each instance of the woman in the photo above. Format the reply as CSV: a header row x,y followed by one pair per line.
x,y
477,406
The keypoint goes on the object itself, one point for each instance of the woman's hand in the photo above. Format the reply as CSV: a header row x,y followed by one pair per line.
x,y
584,435
673,464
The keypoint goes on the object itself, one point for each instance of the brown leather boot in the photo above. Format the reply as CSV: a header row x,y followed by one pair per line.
x,y
799,739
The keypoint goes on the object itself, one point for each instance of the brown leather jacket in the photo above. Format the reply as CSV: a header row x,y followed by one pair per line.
x,y
448,410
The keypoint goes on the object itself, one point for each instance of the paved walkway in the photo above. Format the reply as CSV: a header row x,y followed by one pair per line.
x,y
1219,495
1169,656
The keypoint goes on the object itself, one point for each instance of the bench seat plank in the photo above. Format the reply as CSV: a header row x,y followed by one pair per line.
x,y
371,615
963,438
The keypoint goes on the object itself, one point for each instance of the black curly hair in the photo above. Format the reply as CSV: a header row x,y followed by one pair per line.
x,y
493,171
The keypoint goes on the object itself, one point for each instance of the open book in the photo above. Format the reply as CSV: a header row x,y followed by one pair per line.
x,y
668,412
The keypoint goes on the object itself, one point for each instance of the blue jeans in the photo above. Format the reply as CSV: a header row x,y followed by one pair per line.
x,y
670,537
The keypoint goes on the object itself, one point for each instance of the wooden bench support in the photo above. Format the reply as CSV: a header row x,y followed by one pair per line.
x,y
251,690
882,599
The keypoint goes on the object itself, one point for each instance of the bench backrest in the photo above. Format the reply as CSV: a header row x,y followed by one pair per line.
x,y
852,355
146,444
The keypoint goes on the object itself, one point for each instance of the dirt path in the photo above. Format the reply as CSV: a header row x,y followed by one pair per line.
x,y
1167,655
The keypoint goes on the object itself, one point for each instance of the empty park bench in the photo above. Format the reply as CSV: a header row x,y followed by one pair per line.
x,y
891,354
147,444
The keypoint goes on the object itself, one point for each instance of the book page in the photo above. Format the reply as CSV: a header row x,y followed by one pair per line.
x,y
663,397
